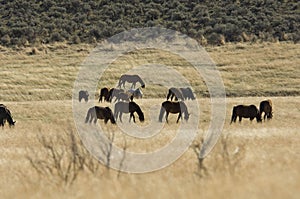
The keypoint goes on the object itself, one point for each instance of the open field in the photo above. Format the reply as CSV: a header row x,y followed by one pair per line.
x,y
249,161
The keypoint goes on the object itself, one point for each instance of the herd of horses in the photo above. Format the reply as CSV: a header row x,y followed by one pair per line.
x,y
124,104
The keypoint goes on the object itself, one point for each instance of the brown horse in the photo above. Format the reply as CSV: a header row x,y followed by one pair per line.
x,y
98,112
187,93
173,107
175,92
246,112
128,107
130,79
108,94
83,95
5,115
266,107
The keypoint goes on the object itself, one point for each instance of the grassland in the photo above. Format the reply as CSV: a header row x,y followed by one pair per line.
x,y
250,160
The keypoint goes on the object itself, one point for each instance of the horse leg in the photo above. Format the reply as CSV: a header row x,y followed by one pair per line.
x,y
167,114
120,117
132,116
265,115
179,116
240,118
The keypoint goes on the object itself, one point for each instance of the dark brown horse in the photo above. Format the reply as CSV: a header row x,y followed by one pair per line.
x,y
130,79
175,92
104,94
246,112
266,107
5,115
187,93
173,107
108,94
98,112
83,95
128,107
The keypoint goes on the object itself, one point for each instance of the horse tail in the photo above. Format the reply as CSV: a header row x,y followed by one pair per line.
x,y
88,115
161,114
234,114
271,109
169,94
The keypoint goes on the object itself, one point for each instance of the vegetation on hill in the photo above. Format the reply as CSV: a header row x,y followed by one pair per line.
x,y
209,21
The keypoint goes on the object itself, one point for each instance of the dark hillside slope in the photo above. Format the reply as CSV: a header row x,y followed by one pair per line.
x,y
209,21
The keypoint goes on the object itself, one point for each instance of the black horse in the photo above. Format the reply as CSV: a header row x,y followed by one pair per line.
x,y
130,79
266,107
98,112
128,107
173,107
83,95
246,112
104,94
175,92
5,115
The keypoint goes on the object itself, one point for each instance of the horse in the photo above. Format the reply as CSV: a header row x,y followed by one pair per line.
x,y
136,93
246,112
187,93
175,92
114,92
128,107
173,107
130,79
5,115
124,97
104,94
98,112
266,107
83,95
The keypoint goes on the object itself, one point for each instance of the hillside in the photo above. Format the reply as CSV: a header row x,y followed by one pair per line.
x,y
34,22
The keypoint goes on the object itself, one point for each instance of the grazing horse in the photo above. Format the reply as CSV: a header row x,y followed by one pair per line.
x,y
5,115
83,95
123,97
175,92
246,112
173,107
108,94
114,92
136,93
104,94
266,107
130,79
187,93
128,107
98,112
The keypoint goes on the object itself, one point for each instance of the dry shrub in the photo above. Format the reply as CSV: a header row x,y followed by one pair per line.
x,y
61,158
226,157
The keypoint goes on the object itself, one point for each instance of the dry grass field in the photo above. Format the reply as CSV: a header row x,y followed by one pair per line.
x,y
250,160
